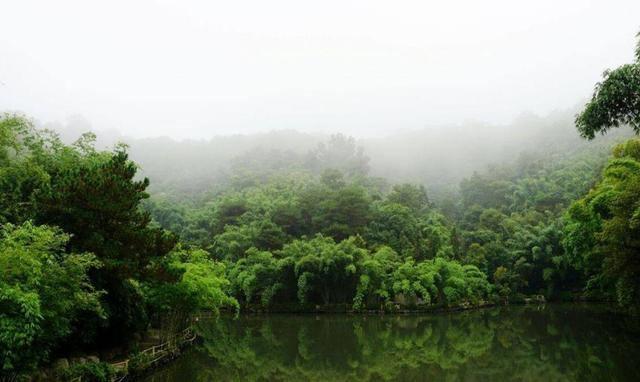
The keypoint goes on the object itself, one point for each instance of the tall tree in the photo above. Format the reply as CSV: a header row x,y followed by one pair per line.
x,y
96,197
615,101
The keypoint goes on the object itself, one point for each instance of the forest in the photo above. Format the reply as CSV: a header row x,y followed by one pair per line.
x,y
91,254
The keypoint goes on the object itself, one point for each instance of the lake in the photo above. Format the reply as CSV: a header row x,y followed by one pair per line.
x,y
554,342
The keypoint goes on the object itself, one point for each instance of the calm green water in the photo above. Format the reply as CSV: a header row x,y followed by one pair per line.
x,y
523,343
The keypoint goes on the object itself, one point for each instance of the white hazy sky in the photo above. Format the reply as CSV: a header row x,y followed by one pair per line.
x,y
201,68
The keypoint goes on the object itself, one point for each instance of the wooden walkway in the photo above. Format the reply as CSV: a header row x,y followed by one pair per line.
x,y
154,354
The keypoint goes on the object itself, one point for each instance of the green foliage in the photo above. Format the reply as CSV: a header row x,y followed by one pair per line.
x,y
335,208
139,363
325,270
409,195
398,227
199,283
43,291
508,217
603,229
22,179
90,371
320,270
511,222
94,197
437,236
257,276
440,281
417,233
602,236
235,240
376,279
615,101
79,255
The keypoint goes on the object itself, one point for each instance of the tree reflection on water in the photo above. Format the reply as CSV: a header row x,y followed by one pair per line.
x,y
525,343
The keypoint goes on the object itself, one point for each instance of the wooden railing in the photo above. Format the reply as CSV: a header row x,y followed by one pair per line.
x,y
156,353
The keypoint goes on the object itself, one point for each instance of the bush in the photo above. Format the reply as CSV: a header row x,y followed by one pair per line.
x,y
92,372
138,363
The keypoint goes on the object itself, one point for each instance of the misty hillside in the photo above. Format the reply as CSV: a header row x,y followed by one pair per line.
x,y
437,157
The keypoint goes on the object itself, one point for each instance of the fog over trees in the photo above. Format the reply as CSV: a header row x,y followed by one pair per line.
x,y
436,157
161,162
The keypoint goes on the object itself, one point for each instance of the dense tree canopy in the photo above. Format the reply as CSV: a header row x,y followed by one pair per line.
x,y
603,229
75,246
44,290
